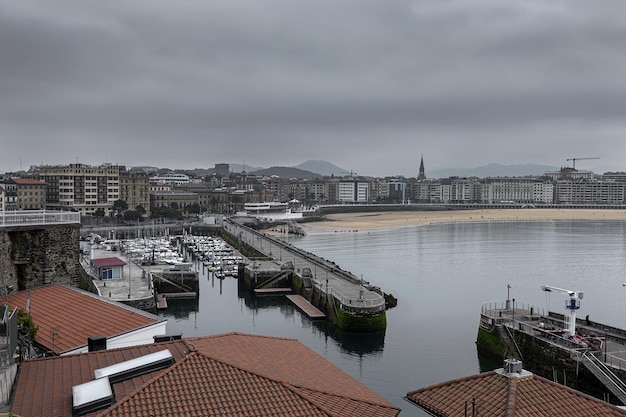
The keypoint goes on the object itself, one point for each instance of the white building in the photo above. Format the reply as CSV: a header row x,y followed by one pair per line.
x,y
353,191
171,178
519,190
270,211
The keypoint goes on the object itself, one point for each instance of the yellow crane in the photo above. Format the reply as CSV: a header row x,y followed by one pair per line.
x,y
580,159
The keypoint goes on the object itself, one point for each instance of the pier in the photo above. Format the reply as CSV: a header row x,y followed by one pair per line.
x,y
352,303
306,307
541,339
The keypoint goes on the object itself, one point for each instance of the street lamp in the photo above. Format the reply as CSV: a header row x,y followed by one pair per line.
x,y
513,317
130,261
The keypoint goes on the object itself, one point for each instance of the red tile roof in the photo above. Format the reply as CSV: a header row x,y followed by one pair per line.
x,y
67,317
224,375
27,181
494,394
107,262
44,386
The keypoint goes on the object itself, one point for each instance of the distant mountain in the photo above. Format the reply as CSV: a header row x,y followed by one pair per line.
x,y
493,170
324,168
287,172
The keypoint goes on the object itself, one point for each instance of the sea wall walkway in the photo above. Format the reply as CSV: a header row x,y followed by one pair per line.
x,y
346,288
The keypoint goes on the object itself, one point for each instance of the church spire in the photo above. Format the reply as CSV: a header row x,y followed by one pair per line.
x,y
422,174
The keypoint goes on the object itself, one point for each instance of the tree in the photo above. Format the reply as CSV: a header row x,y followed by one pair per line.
x,y
141,210
132,215
120,205
194,208
98,213
26,325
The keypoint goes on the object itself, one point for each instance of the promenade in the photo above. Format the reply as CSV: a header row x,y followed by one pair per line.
x,y
360,221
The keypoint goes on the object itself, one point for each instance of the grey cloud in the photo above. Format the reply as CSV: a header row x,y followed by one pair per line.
x,y
279,81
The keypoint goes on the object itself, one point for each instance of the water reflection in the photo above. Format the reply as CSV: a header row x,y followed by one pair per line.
x,y
353,343
349,342
486,364
180,308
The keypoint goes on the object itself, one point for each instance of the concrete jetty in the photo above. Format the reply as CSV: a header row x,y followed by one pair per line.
x,y
346,299
591,358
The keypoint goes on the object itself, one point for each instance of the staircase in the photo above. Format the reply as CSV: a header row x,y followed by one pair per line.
x,y
605,375
512,351
270,283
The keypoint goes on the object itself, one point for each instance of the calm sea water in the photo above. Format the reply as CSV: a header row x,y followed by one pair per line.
x,y
441,275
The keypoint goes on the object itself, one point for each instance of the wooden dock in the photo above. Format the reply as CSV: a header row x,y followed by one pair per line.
x,y
161,303
306,307
272,291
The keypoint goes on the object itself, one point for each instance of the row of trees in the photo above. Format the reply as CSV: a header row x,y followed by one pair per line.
x,y
122,212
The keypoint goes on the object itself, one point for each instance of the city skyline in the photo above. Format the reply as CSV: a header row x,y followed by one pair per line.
x,y
365,85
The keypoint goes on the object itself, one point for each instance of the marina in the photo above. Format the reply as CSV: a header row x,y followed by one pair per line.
x,y
539,250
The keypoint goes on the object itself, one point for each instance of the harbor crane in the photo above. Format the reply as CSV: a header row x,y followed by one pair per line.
x,y
580,159
572,305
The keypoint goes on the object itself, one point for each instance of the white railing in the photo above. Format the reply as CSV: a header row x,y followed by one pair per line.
x,y
374,304
37,217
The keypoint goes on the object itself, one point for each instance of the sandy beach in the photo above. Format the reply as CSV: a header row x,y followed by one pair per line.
x,y
354,222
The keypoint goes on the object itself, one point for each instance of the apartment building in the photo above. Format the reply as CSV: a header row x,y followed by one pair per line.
x,y
30,193
520,190
9,195
397,190
135,189
590,192
175,199
353,191
81,187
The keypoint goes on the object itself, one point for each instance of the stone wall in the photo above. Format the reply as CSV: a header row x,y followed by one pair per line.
x,y
33,256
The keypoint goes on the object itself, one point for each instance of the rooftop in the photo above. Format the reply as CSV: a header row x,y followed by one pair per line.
x,y
497,393
27,181
223,375
106,262
67,316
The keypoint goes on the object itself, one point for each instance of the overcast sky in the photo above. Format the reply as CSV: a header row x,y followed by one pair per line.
x,y
367,85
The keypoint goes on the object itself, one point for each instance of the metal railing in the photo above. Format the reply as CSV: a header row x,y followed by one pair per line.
x,y
374,304
516,307
604,374
37,217
512,339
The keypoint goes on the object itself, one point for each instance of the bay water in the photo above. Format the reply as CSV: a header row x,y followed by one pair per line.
x,y
441,275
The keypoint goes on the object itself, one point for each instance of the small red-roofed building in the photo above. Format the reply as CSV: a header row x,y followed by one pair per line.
x,y
68,317
508,392
108,268
231,374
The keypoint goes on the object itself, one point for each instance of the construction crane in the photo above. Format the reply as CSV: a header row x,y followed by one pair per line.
x,y
580,159
572,305
352,173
